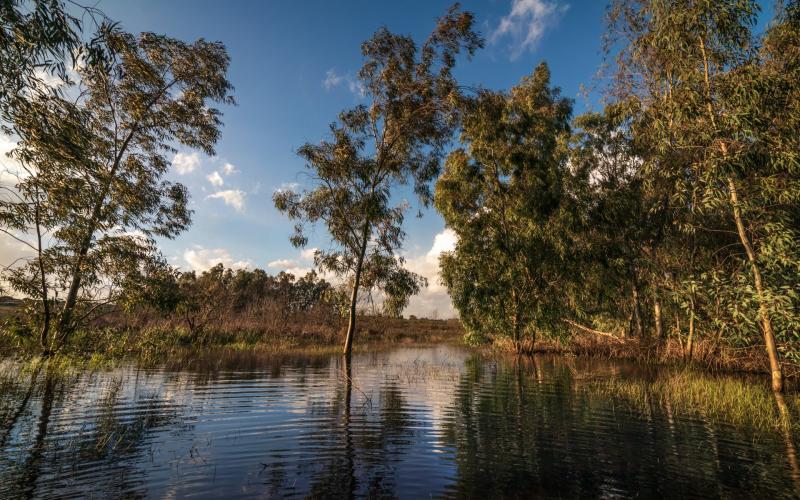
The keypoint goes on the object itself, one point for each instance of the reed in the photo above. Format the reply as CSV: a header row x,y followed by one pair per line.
x,y
719,399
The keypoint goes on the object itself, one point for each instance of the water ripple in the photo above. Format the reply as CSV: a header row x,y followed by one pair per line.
x,y
408,422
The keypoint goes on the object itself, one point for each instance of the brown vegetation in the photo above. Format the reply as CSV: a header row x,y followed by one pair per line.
x,y
706,354
267,324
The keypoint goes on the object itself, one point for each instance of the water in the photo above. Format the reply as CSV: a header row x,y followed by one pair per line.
x,y
409,422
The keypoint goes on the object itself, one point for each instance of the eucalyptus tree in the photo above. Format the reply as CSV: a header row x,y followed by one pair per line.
x,y
617,232
40,39
96,163
721,116
397,138
36,37
774,102
505,196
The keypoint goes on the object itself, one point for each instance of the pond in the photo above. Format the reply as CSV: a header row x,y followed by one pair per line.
x,y
408,422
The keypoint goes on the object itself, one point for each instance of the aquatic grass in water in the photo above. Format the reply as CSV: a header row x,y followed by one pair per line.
x,y
722,399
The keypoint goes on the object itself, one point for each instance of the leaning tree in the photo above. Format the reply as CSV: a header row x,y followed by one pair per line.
x,y
396,139
93,193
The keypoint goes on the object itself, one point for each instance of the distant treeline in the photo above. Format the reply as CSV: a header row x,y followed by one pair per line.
x,y
216,298
216,306
220,307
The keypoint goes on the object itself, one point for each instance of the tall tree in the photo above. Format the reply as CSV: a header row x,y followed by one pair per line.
x,y
612,201
705,97
504,196
96,164
39,41
396,139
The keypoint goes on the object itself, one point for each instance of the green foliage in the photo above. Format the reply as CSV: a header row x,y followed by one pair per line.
x,y
38,38
506,198
716,399
199,301
396,139
16,331
110,144
673,212
714,109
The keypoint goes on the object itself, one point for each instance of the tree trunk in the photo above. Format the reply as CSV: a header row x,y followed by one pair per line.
x,y
65,321
657,318
515,319
766,322
637,311
690,338
628,330
44,334
351,323
763,312
65,326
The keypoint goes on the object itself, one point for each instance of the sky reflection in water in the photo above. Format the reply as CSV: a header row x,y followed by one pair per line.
x,y
406,422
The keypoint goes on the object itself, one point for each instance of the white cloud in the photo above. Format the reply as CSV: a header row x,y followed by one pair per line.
x,y
136,234
298,272
6,145
299,266
289,266
232,197
308,253
13,253
229,169
215,179
443,242
201,259
185,163
432,301
333,79
48,80
287,186
356,87
282,263
8,178
10,169
527,22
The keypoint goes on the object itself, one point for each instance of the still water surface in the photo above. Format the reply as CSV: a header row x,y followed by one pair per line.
x,y
408,422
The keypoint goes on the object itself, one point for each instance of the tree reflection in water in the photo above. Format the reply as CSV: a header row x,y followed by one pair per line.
x,y
407,422
105,447
535,426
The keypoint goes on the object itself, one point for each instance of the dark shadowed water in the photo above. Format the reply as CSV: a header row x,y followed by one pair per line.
x,y
407,422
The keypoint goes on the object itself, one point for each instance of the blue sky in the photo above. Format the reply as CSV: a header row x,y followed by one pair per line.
x,y
293,65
